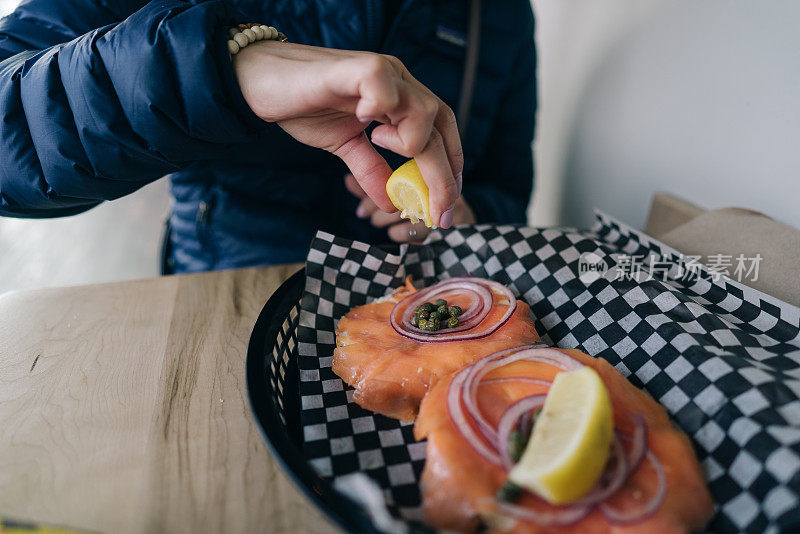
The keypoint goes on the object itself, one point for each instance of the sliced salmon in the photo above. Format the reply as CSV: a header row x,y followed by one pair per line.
x,y
459,486
392,373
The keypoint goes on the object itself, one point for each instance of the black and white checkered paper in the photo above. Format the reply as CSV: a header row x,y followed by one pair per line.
x,y
724,359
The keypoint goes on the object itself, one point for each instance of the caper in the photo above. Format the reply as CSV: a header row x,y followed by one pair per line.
x,y
435,315
452,322
517,441
422,324
455,311
415,320
440,302
427,306
443,312
510,492
434,324
423,314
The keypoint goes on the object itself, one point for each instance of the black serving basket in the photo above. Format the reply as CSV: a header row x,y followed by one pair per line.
x,y
272,384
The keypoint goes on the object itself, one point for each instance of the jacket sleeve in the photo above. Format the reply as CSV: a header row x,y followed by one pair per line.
x,y
499,187
98,99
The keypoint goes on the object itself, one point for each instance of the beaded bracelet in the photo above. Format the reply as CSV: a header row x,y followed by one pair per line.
x,y
244,34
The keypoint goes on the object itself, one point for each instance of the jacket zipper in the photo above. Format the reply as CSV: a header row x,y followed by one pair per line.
x,y
203,230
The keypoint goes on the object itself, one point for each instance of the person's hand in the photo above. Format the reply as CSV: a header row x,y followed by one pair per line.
x,y
325,98
401,230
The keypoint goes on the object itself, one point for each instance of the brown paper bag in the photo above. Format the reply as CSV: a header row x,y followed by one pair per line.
x,y
732,232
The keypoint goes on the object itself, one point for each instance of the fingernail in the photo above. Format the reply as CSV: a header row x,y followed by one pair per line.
x,y
366,120
361,212
446,219
378,143
459,181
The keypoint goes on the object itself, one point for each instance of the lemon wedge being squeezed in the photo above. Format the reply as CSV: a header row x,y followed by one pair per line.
x,y
571,440
409,193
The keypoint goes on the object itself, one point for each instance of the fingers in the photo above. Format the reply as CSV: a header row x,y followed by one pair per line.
x,y
435,165
419,125
380,219
408,233
446,124
442,188
399,230
378,89
411,122
366,208
445,120
439,155
369,169
352,185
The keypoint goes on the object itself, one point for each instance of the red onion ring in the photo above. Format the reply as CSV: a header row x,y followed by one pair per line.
x,y
533,353
560,517
645,511
481,300
611,481
471,318
509,420
469,392
639,443
518,379
477,297
459,419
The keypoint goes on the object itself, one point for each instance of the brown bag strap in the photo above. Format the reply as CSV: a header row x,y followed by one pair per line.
x,y
470,66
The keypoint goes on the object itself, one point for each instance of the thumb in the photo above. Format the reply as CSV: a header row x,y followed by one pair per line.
x,y
369,169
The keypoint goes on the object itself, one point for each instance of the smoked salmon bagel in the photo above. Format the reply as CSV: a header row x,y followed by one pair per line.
x,y
652,481
393,350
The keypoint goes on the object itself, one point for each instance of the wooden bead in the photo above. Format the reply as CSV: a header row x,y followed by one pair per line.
x,y
241,39
244,34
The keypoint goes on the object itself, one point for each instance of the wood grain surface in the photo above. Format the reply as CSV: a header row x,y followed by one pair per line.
x,y
123,408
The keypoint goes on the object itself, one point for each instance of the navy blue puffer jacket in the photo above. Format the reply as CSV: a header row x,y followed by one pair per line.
x,y
100,97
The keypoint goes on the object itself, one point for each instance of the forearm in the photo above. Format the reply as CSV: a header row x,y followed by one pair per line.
x,y
116,108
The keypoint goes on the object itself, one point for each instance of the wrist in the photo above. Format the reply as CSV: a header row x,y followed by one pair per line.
x,y
251,67
249,47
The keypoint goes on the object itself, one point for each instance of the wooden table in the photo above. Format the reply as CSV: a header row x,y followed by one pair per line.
x,y
123,408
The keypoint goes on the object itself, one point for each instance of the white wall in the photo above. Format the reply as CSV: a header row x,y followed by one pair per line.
x,y
7,6
700,98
